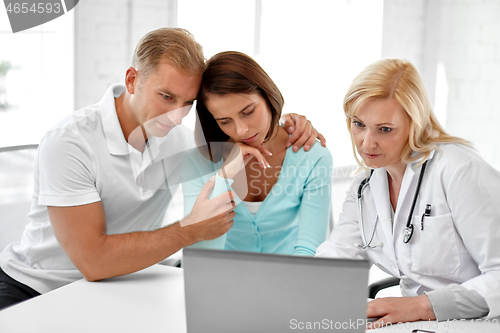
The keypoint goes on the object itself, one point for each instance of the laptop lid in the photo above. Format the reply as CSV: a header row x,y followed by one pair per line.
x,y
228,291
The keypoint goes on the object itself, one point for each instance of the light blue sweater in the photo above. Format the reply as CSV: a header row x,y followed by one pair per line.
x,y
293,219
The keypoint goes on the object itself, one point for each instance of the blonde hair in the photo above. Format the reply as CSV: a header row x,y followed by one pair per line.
x,y
399,79
176,45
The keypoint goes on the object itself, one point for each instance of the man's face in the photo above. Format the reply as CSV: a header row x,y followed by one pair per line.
x,y
162,99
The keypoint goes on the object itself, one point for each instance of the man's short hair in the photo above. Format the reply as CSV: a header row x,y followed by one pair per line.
x,y
175,45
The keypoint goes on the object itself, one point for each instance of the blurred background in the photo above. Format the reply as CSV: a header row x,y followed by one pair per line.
x,y
311,49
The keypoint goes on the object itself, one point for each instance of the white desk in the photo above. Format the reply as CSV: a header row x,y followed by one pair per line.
x,y
150,301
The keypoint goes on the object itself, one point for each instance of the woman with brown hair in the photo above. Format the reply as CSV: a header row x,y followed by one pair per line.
x,y
283,197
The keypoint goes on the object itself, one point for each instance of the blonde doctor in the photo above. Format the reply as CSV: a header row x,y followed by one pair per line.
x,y
425,209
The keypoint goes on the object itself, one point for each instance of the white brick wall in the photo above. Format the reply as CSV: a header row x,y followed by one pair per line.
x,y
106,33
463,35
407,16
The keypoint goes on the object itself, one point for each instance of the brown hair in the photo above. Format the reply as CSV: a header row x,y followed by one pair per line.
x,y
399,79
176,45
231,73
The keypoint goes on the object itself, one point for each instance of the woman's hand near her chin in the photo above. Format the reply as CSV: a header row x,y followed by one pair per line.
x,y
240,155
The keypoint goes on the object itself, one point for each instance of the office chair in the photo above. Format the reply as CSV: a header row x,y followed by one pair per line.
x,y
16,187
377,286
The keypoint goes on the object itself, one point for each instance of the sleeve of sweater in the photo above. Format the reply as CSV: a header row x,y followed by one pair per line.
x,y
457,302
314,211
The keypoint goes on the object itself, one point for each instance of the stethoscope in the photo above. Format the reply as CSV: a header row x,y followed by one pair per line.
x,y
408,231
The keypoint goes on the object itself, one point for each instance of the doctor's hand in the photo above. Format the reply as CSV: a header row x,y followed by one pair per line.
x,y
399,309
302,132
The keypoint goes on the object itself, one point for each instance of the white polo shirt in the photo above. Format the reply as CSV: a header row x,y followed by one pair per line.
x,y
83,159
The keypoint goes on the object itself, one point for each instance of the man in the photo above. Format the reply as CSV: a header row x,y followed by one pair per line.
x,y
92,214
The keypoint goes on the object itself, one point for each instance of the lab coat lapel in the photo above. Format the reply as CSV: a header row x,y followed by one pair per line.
x,y
380,192
408,186
406,194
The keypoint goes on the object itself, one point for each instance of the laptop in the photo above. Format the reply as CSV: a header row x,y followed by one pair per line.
x,y
229,291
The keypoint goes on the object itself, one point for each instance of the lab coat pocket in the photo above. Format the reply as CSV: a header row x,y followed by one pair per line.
x,y
434,250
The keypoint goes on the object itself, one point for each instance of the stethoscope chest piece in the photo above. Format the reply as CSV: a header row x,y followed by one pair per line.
x,y
407,233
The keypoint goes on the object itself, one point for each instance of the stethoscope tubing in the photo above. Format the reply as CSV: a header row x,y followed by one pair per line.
x,y
408,231
409,226
361,187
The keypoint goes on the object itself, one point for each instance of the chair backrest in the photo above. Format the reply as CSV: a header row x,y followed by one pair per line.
x,y
16,188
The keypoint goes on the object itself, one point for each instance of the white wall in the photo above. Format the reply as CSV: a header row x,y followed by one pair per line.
x,y
455,44
311,49
302,46
106,33
39,88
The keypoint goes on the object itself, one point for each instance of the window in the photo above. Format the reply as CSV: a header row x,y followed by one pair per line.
x,y
37,90
312,50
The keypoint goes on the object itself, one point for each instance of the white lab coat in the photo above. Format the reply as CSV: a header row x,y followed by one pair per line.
x,y
460,242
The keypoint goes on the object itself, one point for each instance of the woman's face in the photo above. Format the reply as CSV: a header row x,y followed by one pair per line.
x,y
243,117
380,129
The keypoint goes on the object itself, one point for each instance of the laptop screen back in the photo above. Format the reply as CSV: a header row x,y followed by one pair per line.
x,y
230,291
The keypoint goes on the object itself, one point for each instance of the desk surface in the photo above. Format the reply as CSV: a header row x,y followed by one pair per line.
x,y
151,300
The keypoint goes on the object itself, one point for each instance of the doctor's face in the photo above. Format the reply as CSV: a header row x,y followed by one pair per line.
x,y
380,129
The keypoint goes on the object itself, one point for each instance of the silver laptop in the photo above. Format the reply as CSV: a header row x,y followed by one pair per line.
x,y
229,291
